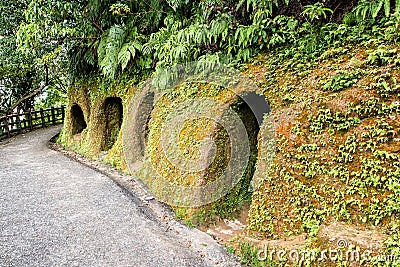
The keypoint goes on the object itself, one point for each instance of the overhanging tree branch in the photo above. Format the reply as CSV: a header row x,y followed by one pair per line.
x,y
93,23
34,93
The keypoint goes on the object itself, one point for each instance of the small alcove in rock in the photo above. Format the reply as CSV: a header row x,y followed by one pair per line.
x,y
113,115
78,123
258,105
136,129
252,108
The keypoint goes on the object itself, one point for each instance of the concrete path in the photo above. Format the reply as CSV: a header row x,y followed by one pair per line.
x,y
57,212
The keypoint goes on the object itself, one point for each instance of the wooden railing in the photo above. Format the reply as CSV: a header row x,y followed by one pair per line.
x,y
19,123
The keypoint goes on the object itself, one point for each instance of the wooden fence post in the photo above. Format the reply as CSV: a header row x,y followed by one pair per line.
x,y
19,125
30,122
1,128
53,117
7,126
42,118
12,123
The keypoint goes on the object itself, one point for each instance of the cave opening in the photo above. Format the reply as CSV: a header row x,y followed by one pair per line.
x,y
251,108
78,122
113,111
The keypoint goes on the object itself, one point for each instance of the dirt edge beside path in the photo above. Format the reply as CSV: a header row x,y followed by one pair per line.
x,y
192,238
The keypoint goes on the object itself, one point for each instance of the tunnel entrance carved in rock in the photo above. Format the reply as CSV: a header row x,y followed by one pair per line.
x,y
136,130
252,108
78,122
258,104
113,111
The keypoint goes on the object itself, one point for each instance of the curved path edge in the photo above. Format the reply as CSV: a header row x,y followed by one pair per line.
x,y
74,215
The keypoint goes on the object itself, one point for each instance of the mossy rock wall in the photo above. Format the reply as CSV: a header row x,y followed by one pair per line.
x,y
77,96
157,169
329,152
337,124
101,138
144,146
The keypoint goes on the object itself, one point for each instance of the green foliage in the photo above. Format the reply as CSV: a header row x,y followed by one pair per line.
x,y
18,75
27,76
118,47
120,9
116,37
249,256
316,11
340,160
373,8
341,81
266,5
311,226
385,85
55,96
382,56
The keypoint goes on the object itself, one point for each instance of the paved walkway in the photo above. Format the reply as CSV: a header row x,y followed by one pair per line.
x,y
57,212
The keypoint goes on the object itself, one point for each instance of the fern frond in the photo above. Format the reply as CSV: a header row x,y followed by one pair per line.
x,y
376,7
109,50
387,8
175,4
373,8
397,6
124,56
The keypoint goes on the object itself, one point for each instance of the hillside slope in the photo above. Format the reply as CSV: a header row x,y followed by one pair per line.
x,y
337,149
